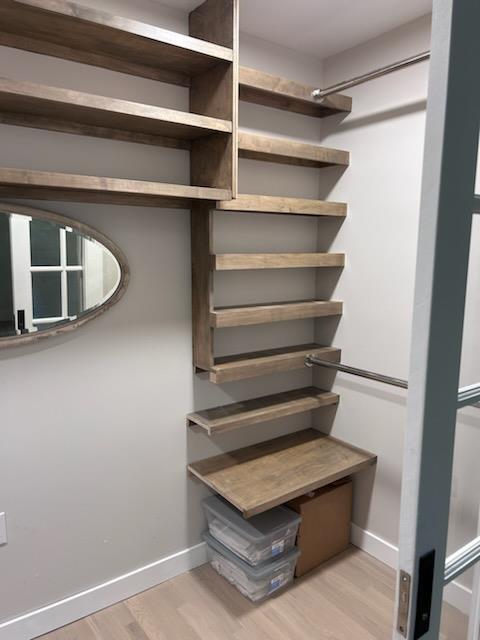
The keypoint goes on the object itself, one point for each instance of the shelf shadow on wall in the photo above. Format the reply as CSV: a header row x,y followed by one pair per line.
x,y
378,116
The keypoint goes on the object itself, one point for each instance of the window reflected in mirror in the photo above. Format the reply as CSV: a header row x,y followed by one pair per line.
x,y
50,274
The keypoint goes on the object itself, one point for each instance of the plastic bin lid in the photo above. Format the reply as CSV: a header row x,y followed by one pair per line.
x,y
256,527
260,571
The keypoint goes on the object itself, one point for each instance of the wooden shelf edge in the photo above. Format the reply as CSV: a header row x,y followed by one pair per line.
x,y
279,93
76,32
238,316
250,203
21,183
258,410
53,108
246,261
260,477
258,363
285,151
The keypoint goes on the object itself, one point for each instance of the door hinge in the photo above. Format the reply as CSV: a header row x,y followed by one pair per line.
x,y
403,602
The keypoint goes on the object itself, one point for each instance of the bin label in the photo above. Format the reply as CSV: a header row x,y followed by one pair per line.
x,y
277,582
277,547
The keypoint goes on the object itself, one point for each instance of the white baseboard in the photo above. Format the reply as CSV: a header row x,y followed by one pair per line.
x,y
454,593
82,604
104,595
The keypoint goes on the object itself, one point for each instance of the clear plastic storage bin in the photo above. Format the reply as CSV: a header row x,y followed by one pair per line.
x,y
257,582
257,539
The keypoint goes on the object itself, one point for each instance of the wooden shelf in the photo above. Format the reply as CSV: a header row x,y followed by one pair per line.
x,y
285,151
277,92
257,410
277,312
43,107
242,261
64,29
260,363
247,203
45,185
268,474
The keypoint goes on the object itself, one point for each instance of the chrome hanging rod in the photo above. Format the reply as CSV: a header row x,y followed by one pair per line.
x,y
362,373
467,396
319,94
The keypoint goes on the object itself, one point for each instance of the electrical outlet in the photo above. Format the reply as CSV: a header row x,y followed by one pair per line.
x,y
3,528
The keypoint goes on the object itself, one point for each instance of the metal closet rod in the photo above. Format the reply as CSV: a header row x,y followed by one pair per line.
x,y
362,373
464,394
319,94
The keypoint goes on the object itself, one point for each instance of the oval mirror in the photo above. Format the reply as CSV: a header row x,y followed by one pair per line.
x,y
55,274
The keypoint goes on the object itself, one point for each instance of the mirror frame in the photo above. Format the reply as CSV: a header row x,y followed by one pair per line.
x,y
49,216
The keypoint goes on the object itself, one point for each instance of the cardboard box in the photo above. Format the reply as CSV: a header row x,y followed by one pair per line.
x,y
325,528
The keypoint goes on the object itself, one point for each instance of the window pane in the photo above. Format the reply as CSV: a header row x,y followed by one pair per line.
x,y
47,295
45,244
74,248
75,292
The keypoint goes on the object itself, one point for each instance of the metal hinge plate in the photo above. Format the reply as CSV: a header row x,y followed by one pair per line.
x,y
403,603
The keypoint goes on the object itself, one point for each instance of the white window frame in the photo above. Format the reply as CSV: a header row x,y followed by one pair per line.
x,y
22,271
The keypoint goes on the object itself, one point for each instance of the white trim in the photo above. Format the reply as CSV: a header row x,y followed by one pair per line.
x,y
82,604
375,546
454,593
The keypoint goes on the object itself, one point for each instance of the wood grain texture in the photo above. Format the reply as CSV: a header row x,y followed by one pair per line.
x,y
277,92
214,21
44,107
84,230
269,361
273,312
21,183
348,598
257,410
202,286
242,261
265,475
249,203
65,29
214,161
285,151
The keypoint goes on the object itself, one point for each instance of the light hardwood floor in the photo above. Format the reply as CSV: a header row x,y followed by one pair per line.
x,y
348,598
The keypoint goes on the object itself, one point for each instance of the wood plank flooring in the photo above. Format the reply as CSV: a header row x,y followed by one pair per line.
x,y
348,598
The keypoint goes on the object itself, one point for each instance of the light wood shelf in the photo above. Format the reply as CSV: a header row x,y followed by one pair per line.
x,y
45,185
249,203
265,475
286,151
44,107
276,312
259,363
257,410
72,31
242,261
277,92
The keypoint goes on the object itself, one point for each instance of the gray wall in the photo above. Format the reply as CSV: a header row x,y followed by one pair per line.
x,y
94,444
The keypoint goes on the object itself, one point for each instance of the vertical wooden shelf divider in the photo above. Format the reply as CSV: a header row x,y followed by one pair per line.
x,y
214,160
202,286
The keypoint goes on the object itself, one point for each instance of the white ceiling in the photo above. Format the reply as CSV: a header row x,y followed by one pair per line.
x,y
320,27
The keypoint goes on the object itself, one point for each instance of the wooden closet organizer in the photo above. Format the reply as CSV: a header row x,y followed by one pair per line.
x,y
258,477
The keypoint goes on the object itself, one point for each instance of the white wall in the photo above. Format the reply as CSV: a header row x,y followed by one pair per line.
x,y
382,186
94,443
